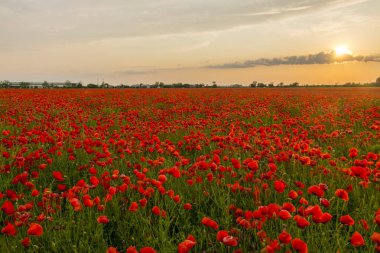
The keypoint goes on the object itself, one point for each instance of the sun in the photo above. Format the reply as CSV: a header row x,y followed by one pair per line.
x,y
342,50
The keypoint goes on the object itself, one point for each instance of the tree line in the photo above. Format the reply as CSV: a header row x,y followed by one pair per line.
x,y
104,85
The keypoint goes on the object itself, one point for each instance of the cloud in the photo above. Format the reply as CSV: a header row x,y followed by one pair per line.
x,y
348,3
71,20
319,58
151,70
263,13
300,8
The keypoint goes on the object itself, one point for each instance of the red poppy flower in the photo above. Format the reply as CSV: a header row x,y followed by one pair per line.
x,y
58,176
34,193
186,246
347,220
143,202
377,219
76,204
88,202
325,217
293,194
25,242
357,240
210,223
301,222
35,229
316,190
285,237
162,178
176,199
343,194
254,166
103,219
42,166
299,245
61,187
284,215
9,229
112,250
191,238
6,154
279,186
230,241
156,210
94,181
131,249
221,234
304,201
133,207
112,190
8,208
324,202
187,206
360,172
375,237
364,223
148,250
289,207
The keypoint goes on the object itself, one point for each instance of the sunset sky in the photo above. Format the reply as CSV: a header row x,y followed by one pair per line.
x,y
193,41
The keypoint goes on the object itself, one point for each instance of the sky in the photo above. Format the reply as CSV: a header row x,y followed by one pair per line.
x,y
190,41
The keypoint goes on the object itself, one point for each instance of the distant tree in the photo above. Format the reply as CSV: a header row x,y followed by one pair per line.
x,y
377,83
5,84
24,85
177,85
253,84
271,85
261,85
92,85
236,85
214,85
45,84
295,84
80,85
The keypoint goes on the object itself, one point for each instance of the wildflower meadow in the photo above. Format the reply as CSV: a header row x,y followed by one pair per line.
x,y
190,170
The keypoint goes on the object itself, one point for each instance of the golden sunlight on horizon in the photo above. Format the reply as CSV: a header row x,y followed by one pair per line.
x,y
342,50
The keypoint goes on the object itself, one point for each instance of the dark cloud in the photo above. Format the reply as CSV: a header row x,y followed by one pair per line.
x,y
320,58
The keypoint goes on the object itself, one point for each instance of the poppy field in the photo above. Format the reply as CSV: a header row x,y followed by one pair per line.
x,y
190,170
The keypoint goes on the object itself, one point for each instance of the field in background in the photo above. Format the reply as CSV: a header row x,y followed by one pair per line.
x,y
187,170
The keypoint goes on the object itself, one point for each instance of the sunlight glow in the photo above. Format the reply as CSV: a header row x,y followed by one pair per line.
x,y
342,50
